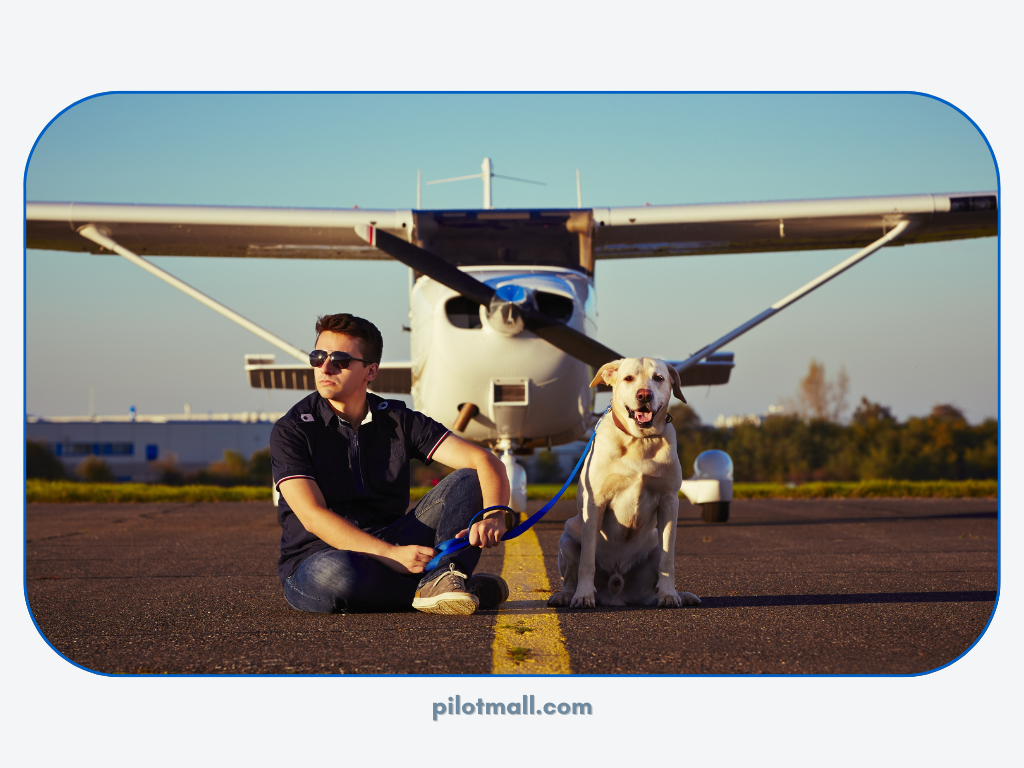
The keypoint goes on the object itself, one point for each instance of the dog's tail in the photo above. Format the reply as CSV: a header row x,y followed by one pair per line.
x,y
616,583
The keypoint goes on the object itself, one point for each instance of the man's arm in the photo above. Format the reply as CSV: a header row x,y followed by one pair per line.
x,y
459,454
307,502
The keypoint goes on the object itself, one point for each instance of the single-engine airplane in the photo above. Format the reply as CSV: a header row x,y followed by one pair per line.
x,y
502,301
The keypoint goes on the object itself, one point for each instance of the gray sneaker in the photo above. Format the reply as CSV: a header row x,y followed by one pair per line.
x,y
446,594
491,590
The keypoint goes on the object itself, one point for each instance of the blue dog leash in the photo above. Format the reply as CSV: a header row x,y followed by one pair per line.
x,y
454,545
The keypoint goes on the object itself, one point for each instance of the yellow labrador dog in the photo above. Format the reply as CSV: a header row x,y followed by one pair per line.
x,y
620,547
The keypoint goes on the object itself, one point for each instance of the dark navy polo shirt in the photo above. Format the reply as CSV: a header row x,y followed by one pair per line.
x,y
362,470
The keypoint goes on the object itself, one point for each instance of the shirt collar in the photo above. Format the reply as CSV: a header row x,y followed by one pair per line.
x,y
369,414
372,403
327,413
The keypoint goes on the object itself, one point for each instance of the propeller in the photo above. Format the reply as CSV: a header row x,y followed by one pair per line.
x,y
509,309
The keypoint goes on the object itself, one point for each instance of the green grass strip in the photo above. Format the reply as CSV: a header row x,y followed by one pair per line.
x,y
867,489
919,489
63,491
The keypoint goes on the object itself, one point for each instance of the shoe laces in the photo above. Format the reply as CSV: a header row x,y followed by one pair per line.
x,y
457,577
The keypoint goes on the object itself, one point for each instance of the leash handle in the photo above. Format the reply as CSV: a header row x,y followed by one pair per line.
x,y
454,545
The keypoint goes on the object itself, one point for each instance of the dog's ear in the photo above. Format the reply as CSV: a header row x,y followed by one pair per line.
x,y
606,373
677,383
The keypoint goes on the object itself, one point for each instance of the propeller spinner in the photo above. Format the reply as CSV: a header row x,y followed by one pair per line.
x,y
505,312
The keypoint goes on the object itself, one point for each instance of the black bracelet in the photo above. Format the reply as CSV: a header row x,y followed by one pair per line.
x,y
511,519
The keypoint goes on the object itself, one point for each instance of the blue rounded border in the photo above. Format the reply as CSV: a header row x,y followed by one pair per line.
x,y
999,213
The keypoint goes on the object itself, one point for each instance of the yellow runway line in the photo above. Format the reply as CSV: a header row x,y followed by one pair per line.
x,y
527,638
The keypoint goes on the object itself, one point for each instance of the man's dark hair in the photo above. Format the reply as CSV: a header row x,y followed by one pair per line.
x,y
369,337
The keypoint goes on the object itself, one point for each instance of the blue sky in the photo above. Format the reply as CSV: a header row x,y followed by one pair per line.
x,y
913,326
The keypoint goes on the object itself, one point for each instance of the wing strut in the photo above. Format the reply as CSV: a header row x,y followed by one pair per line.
x,y
797,294
92,232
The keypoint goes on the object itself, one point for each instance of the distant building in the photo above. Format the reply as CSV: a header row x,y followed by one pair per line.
x,y
728,422
130,443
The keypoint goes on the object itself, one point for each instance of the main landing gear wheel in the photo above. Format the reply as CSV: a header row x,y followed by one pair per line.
x,y
715,512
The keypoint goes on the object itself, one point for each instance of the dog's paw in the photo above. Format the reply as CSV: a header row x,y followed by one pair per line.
x,y
669,599
582,600
675,599
560,598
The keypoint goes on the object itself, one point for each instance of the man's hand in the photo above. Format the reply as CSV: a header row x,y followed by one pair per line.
x,y
408,559
487,532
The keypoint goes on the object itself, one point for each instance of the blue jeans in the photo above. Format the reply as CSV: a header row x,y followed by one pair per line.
x,y
339,581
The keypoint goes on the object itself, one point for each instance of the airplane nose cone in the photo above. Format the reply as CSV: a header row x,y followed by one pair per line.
x,y
510,292
505,314
505,317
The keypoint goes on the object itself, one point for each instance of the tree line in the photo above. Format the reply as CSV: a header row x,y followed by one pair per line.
x,y
874,445
233,470
810,443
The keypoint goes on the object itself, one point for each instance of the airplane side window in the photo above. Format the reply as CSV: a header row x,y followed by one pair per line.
x,y
462,313
554,306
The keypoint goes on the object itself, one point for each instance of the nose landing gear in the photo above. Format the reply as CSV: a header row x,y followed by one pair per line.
x,y
516,473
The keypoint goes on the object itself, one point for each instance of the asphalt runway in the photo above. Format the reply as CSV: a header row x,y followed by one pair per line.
x,y
873,586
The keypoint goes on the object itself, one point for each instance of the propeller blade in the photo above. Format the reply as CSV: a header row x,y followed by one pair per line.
x,y
567,339
430,265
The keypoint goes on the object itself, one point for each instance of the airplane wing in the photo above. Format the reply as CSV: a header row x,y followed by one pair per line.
x,y
715,370
392,378
544,236
792,225
193,230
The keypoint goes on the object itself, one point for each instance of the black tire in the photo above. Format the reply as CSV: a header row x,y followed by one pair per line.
x,y
715,512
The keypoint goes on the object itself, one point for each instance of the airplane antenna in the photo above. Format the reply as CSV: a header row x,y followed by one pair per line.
x,y
579,194
487,173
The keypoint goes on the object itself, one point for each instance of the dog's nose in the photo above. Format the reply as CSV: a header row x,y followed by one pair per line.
x,y
643,395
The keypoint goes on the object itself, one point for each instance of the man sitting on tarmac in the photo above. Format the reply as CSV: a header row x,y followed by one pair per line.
x,y
340,459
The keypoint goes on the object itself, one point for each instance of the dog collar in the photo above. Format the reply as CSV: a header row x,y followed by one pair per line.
x,y
615,421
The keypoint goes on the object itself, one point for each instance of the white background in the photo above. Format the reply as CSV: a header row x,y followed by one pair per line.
x,y
53,56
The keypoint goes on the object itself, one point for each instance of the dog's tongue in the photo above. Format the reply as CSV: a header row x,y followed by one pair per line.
x,y
643,418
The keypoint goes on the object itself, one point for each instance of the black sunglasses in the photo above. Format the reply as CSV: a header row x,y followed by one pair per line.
x,y
341,359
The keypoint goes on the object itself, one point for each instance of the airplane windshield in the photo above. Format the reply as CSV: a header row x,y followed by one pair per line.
x,y
500,237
